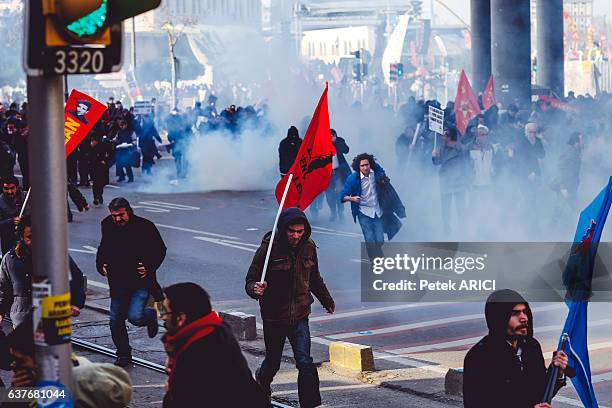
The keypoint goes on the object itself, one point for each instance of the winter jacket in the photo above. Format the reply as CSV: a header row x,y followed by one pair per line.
x,y
453,168
100,158
16,285
528,156
10,209
212,372
569,170
342,149
492,371
122,248
287,152
293,274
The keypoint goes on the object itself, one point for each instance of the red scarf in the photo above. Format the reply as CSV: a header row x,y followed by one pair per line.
x,y
178,342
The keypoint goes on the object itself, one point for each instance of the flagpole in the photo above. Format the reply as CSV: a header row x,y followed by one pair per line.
x,y
280,209
25,202
553,373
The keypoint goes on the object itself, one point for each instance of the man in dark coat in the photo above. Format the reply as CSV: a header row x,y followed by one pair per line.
x,y
288,150
99,156
340,171
11,201
452,159
285,299
506,368
569,169
205,362
129,255
147,135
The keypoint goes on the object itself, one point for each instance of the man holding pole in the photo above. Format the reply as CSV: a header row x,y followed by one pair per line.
x,y
12,201
284,295
506,368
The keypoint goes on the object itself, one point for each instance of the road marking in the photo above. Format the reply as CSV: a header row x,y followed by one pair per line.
x,y
151,209
171,206
330,231
224,243
363,312
193,231
88,250
260,207
429,323
97,284
601,377
473,340
330,388
112,186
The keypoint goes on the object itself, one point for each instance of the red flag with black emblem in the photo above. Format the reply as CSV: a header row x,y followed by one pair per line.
x,y
80,115
488,97
466,104
312,167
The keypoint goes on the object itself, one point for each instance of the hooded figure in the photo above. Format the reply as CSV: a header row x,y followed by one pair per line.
x,y
288,150
495,373
285,298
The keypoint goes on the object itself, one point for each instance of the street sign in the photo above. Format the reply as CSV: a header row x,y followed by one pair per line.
x,y
436,120
143,107
42,58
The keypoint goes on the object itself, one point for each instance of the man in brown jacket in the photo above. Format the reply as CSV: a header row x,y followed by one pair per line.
x,y
285,299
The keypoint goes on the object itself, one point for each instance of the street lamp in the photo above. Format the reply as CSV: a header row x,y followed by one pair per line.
x,y
174,34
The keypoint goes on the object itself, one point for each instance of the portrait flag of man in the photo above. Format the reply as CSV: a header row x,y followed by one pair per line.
x,y
80,115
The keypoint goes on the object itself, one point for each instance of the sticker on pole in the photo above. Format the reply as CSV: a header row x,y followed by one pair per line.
x,y
436,120
54,326
40,290
53,395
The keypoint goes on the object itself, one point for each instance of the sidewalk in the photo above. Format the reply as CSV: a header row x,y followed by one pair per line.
x,y
388,387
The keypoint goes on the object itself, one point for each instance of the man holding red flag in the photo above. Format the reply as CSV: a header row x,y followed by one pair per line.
x,y
466,104
312,168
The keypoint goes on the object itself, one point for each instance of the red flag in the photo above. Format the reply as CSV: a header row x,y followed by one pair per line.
x,y
466,104
312,167
488,97
80,115
557,104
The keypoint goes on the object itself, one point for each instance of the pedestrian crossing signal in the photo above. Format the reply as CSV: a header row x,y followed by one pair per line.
x,y
74,22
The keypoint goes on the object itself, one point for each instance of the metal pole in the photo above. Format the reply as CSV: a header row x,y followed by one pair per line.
x,y
173,69
133,38
481,43
49,215
65,88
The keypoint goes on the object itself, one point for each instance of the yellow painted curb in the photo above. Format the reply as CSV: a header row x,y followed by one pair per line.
x,y
351,357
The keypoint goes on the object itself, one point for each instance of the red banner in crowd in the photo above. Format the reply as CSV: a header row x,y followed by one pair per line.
x,y
80,115
466,104
557,104
488,97
312,167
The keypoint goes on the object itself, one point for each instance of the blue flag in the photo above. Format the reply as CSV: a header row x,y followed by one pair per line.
x,y
578,277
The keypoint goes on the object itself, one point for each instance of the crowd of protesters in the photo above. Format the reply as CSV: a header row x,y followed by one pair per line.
x,y
505,150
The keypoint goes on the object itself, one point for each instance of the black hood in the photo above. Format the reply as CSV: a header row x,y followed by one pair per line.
x,y
498,310
292,216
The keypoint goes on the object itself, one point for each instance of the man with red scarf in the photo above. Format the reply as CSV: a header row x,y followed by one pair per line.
x,y
205,364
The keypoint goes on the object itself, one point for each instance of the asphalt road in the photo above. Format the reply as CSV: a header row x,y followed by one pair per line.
x,y
211,238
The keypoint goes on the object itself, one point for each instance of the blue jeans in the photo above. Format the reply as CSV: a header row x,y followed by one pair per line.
x,y
299,338
373,235
130,305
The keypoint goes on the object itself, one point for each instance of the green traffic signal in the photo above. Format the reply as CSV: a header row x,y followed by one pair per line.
x,y
91,23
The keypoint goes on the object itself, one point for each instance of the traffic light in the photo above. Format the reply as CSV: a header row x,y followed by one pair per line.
x,y
393,72
356,54
77,36
76,22
399,67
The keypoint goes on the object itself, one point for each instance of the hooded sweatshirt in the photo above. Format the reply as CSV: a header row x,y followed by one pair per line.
x,y
293,273
495,373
